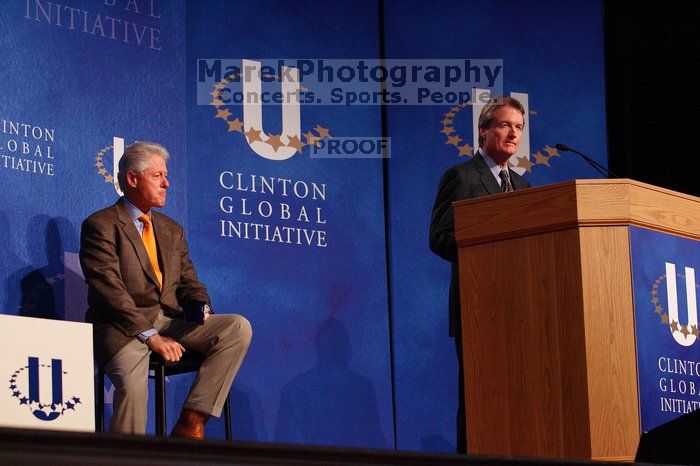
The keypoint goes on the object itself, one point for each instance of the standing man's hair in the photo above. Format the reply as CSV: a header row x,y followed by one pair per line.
x,y
137,158
486,116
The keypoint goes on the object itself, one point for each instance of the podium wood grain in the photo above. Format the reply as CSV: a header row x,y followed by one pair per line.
x,y
548,318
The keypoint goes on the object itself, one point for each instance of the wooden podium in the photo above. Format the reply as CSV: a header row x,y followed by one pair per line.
x,y
547,315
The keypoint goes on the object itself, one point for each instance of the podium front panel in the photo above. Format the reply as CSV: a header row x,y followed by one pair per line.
x,y
664,271
48,371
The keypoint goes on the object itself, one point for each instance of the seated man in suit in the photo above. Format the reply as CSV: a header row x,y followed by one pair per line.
x,y
501,124
140,278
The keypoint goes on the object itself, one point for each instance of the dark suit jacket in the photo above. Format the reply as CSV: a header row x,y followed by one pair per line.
x,y
123,293
467,180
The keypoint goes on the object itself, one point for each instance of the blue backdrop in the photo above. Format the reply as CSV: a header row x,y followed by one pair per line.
x,y
325,367
318,370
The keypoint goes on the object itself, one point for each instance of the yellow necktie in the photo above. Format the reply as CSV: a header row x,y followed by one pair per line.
x,y
149,240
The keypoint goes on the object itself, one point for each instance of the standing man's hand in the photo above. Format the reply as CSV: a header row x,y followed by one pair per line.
x,y
169,349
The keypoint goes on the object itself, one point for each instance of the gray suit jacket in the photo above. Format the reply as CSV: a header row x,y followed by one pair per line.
x,y
467,180
123,293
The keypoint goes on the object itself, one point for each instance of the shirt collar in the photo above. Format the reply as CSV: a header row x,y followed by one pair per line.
x,y
134,212
495,169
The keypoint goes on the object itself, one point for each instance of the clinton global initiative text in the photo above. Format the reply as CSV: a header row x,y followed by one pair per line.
x,y
271,209
273,233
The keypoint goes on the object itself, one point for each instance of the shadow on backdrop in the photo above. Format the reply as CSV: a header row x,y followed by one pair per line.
x,y
436,443
8,261
330,404
42,286
246,406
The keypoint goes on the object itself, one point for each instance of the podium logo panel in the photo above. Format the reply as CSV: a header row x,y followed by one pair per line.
x,y
684,330
25,385
666,323
48,370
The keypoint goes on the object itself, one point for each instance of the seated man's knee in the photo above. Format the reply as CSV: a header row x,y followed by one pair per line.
x,y
239,328
244,328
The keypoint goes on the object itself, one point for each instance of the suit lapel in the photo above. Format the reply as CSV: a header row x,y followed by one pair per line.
x,y
516,181
133,234
487,178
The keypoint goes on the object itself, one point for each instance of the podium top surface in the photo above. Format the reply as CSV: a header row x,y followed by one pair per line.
x,y
572,204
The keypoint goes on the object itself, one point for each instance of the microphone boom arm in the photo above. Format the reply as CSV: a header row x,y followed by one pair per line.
x,y
598,167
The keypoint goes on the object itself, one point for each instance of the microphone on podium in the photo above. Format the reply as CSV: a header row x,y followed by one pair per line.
x,y
601,169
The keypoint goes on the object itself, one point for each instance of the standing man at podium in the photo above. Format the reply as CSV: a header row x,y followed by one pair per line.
x,y
501,125
140,279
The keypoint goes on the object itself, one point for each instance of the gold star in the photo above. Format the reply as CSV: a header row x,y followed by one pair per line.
x,y
447,121
99,164
296,143
274,141
102,171
658,309
109,179
253,135
673,325
694,330
311,139
654,292
223,114
465,149
235,125
664,318
551,151
220,86
684,330
454,140
541,158
524,162
323,132
447,130
450,114
216,93
216,103
655,300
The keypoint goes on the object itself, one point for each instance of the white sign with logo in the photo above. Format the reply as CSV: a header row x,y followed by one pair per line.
x,y
47,371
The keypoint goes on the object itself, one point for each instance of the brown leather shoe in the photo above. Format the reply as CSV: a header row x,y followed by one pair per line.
x,y
190,425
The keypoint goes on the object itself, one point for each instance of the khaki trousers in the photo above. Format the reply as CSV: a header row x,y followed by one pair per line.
x,y
223,339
